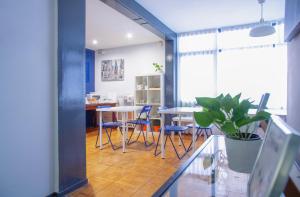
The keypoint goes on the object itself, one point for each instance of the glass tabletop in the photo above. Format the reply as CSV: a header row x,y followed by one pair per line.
x,y
207,174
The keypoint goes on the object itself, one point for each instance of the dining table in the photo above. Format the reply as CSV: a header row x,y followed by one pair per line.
x,y
179,111
123,110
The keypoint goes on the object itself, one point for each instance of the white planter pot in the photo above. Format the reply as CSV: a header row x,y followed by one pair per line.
x,y
242,154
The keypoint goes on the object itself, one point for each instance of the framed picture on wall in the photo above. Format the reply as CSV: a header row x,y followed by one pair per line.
x,y
112,70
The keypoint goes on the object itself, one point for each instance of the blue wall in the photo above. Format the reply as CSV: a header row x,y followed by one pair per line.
x,y
71,90
89,70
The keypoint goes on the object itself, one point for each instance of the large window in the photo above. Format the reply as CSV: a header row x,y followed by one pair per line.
x,y
229,61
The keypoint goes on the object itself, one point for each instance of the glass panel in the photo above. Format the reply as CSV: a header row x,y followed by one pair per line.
x,y
198,42
254,72
196,76
209,175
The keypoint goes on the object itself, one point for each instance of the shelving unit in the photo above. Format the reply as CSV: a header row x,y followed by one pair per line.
x,y
149,91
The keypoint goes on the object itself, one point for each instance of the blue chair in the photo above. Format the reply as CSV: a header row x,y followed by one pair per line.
x,y
199,131
168,132
142,120
111,126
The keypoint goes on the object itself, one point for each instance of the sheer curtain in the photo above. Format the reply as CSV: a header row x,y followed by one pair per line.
x,y
254,72
196,75
227,60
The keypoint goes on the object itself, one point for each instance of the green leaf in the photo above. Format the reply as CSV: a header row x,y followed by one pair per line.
x,y
243,121
220,97
227,103
262,115
228,128
209,103
244,106
238,114
204,118
236,100
218,115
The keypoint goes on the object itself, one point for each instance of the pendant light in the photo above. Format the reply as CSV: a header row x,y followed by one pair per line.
x,y
262,29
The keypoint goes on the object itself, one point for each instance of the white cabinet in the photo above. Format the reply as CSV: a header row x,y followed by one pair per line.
x,y
149,90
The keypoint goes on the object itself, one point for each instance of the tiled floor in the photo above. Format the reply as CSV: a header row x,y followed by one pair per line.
x,y
136,173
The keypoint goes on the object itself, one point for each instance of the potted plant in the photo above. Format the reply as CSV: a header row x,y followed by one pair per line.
x,y
158,67
230,115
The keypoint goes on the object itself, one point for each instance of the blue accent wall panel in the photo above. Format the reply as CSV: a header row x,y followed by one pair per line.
x,y
89,70
71,92
171,73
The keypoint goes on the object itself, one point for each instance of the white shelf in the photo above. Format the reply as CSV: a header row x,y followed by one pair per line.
x,y
149,91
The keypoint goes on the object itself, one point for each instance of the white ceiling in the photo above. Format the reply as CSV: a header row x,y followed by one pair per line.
x,y
109,28
188,15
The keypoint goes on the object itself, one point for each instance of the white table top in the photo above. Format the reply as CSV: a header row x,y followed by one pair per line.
x,y
120,109
180,110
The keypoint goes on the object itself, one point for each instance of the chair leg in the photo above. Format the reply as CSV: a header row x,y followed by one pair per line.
x,y
141,131
131,135
110,132
110,141
145,140
96,144
153,139
183,143
174,148
210,131
155,154
120,128
198,133
138,136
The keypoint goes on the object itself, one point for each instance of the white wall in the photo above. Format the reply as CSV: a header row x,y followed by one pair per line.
x,y
138,61
27,63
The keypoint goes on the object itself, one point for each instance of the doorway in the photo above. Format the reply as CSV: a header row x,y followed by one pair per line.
x,y
71,85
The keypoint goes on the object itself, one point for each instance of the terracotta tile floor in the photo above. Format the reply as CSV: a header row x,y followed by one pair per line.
x,y
135,173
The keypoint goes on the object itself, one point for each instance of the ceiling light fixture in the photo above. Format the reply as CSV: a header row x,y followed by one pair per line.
x,y
262,29
129,35
95,42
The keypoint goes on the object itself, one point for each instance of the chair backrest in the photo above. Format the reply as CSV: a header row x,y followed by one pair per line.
x,y
263,102
262,105
145,111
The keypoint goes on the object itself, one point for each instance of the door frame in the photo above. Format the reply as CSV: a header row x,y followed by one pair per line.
x,y
71,82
